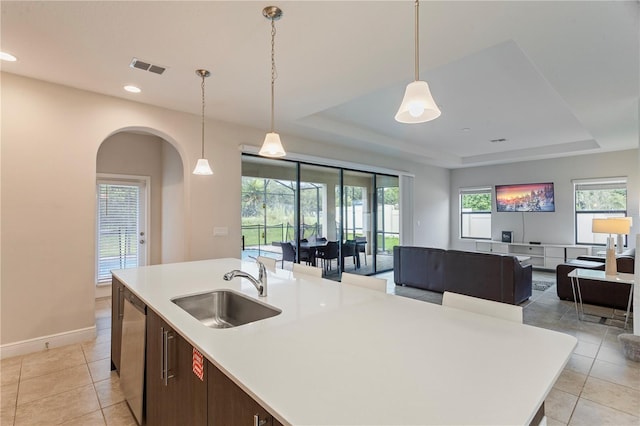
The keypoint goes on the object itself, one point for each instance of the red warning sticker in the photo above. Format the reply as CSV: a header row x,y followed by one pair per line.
x,y
198,368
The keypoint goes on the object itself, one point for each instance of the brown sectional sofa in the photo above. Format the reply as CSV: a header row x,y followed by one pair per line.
x,y
489,276
596,292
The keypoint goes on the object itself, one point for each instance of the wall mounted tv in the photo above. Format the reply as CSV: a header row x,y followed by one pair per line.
x,y
527,197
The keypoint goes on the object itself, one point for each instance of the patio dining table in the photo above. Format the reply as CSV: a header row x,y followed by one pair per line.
x,y
313,247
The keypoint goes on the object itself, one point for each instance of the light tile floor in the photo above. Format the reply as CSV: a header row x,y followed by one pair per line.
x,y
73,385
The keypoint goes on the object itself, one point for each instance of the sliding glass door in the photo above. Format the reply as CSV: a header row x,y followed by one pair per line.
x,y
269,189
388,220
358,198
335,219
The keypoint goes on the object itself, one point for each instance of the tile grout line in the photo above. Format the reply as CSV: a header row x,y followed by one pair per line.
x,y
15,411
93,384
585,382
600,346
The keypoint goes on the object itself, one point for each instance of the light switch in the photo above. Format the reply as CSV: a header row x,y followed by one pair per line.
x,y
220,231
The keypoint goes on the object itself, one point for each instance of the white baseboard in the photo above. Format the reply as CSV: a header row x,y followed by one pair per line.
x,y
47,342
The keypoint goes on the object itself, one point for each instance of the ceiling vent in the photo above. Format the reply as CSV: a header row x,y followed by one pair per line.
x,y
498,140
145,66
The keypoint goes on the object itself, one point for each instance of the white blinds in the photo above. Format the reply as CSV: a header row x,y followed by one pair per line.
x,y
482,190
117,228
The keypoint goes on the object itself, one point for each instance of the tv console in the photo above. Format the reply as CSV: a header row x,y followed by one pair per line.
x,y
544,256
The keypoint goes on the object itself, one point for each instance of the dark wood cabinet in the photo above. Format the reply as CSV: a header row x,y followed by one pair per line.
x,y
117,312
174,394
230,405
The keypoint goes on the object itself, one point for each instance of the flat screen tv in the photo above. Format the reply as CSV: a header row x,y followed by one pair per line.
x,y
526,197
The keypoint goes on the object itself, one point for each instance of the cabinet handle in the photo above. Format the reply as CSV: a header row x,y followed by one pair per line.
x,y
120,303
164,356
258,422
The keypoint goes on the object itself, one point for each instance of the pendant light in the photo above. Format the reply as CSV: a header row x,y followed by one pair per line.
x,y
272,147
417,105
202,166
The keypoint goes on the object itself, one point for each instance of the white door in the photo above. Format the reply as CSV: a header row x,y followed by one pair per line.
x,y
121,224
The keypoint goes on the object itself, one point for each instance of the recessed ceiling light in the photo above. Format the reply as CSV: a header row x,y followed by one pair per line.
x,y
7,57
132,89
466,129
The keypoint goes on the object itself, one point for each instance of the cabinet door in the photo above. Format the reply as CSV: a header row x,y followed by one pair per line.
x,y
574,252
230,405
117,311
175,395
500,248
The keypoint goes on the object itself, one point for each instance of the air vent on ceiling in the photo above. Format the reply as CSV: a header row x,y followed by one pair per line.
x,y
145,66
498,140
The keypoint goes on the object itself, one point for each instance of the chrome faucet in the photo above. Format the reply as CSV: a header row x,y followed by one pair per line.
x,y
260,284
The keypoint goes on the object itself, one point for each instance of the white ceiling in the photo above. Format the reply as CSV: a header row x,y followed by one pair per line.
x,y
554,78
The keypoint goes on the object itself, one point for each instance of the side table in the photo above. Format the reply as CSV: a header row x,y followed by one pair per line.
x,y
591,274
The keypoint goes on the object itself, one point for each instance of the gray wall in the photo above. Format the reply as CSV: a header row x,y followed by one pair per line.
x,y
556,227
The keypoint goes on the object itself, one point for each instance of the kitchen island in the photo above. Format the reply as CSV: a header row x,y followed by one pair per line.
x,y
340,354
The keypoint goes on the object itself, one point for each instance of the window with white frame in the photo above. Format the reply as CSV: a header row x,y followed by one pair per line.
x,y
595,199
475,213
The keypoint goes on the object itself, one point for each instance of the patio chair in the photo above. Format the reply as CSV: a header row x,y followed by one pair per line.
x,y
361,246
288,252
306,254
349,249
329,252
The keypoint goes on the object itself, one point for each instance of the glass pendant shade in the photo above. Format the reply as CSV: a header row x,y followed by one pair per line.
x,y
202,167
272,147
417,105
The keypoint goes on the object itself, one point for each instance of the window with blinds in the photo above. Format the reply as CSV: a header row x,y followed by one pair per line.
x,y
598,199
118,212
475,213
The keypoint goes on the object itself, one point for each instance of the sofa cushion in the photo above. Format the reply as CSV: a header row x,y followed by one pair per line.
x,y
474,274
421,267
585,264
631,252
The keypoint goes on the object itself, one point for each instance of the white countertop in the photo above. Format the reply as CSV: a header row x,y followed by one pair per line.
x,y
340,354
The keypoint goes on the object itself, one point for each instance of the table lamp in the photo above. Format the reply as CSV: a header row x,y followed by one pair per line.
x,y
620,243
610,226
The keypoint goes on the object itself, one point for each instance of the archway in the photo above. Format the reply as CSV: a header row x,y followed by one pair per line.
x,y
143,153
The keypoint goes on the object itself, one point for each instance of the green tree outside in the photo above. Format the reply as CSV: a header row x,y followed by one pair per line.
x,y
477,202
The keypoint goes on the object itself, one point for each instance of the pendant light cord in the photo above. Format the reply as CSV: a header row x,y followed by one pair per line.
x,y
273,71
417,71
202,86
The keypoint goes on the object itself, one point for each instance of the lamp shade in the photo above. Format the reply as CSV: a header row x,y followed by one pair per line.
x,y
272,147
417,105
619,225
202,167
623,225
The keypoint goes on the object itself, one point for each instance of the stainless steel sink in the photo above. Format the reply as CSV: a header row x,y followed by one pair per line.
x,y
225,308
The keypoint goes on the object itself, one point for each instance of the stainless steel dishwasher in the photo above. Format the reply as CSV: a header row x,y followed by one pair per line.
x,y
133,354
